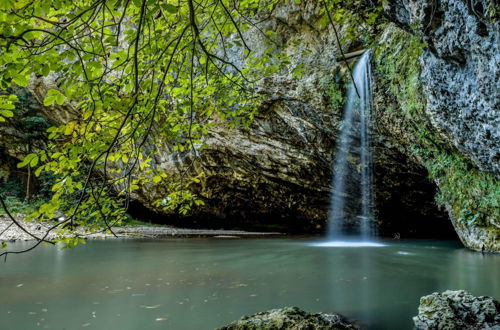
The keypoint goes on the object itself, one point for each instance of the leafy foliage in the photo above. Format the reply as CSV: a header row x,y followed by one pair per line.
x,y
139,74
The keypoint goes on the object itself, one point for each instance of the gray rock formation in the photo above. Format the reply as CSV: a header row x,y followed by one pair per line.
x,y
290,318
456,310
461,86
460,72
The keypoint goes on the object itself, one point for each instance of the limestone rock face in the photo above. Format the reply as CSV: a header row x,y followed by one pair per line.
x,y
291,318
461,86
460,74
477,238
454,310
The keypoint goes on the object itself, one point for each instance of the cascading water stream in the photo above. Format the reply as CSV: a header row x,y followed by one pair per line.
x,y
351,205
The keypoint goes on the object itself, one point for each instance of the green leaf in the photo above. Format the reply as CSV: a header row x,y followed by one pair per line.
x,y
60,99
38,171
170,8
6,113
20,80
27,160
8,106
53,92
49,100
6,4
34,161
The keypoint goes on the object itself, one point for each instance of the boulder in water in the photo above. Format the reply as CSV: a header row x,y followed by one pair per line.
x,y
290,318
454,310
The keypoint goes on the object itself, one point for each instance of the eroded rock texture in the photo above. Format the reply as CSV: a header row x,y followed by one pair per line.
x,y
291,318
460,74
461,85
454,310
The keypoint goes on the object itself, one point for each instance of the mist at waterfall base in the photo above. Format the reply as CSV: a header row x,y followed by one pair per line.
x,y
350,220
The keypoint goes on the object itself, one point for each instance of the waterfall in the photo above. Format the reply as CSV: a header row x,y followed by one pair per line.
x,y
351,204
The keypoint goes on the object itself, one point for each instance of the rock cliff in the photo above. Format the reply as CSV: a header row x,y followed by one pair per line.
x,y
446,98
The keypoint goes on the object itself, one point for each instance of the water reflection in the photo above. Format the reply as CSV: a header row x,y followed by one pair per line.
x,y
467,267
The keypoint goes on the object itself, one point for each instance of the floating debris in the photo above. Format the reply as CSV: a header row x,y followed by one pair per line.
x,y
150,307
239,285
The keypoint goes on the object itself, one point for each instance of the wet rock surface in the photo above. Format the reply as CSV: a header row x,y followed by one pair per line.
x,y
454,310
291,318
460,84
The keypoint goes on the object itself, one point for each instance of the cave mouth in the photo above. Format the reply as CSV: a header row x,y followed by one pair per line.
x,y
405,201
404,208
248,220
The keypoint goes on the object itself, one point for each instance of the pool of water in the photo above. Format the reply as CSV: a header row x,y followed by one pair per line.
x,y
206,283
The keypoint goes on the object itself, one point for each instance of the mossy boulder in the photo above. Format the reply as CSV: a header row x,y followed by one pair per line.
x,y
452,310
291,318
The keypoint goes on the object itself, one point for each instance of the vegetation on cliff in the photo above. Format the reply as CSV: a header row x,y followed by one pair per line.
x,y
472,194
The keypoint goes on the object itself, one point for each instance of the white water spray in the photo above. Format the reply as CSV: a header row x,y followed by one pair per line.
x,y
352,217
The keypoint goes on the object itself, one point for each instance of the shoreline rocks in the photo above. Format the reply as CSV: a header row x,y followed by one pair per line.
x,y
291,318
11,233
454,310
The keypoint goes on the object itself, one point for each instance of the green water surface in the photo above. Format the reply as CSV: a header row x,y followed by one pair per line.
x,y
207,283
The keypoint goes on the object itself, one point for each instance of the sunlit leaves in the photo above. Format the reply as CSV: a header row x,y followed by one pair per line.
x,y
20,79
6,106
6,4
54,96
131,92
31,159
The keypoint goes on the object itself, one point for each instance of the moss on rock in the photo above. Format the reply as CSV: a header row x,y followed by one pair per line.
x,y
470,195
290,318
